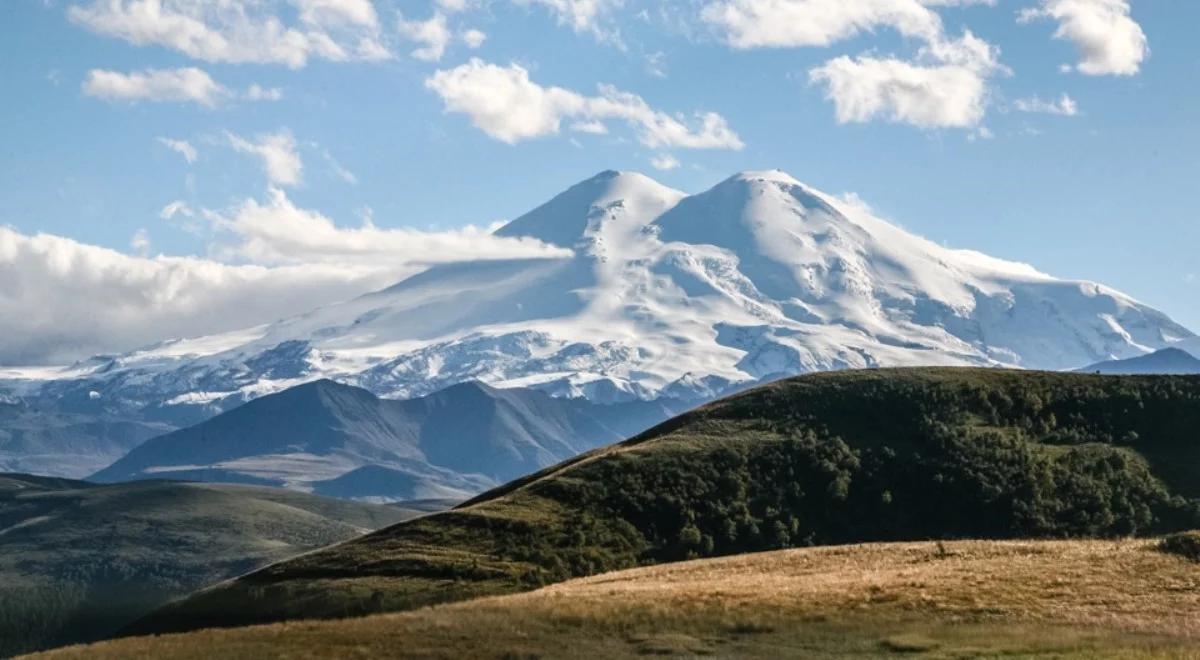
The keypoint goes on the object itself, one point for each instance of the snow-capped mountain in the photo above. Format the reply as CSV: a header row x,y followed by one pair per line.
x,y
665,294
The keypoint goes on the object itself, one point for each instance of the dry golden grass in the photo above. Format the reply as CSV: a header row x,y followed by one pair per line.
x,y
961,599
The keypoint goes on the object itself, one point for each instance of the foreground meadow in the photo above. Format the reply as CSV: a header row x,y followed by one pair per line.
x,y
1117,599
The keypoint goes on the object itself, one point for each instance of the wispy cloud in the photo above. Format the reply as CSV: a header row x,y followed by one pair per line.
x,y
1063,106
181,147
239,31
280,159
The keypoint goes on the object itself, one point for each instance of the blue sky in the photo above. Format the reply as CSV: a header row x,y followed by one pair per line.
x,y
392,123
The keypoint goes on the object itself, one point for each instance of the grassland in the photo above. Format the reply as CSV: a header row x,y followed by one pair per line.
x,y
1060,599
834,458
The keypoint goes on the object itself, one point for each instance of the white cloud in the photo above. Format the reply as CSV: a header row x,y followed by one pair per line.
x,y
239,31
947,88
1109,41
867,88
944,86
337,169
1064,106
276,232
258,93
140,242
433,35
181,147
664,162
503,102
175,85
278,153
453,6
795,23
590,16
327,13
474,38
61,300
175,208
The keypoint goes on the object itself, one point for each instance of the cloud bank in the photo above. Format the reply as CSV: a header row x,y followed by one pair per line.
x,y
61,300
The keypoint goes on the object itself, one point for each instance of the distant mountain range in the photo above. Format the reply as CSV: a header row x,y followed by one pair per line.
x,y
341,440
1165,361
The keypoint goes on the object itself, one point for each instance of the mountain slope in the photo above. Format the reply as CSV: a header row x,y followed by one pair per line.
x,y
666,295
1165,361
343,440
820,459
80,560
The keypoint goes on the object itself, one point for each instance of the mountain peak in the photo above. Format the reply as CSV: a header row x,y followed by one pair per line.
x,y
774,176
567,218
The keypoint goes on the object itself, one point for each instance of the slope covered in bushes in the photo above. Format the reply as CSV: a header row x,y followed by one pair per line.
x,y
820,459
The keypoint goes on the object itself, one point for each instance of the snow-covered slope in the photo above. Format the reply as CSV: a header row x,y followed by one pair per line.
x,y
666,294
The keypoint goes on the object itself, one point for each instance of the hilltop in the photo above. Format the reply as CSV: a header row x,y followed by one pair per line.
x,y
827,458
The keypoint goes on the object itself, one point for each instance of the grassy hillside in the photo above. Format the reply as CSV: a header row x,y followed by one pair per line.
x,y
78,560
821,459
1053,599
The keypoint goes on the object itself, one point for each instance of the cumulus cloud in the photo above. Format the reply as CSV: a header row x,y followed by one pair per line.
x,y
61,300
238,31
505,103
186,85
1109,41
433,35
278,154
181,147
1063,106
945,88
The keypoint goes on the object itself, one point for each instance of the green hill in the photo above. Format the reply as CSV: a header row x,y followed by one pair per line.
x,y
80,560
821,459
